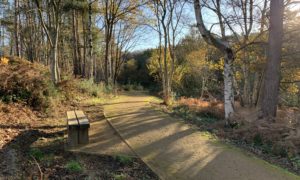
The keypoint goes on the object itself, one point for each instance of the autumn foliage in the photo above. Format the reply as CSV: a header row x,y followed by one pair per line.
x,y
213,108
23,81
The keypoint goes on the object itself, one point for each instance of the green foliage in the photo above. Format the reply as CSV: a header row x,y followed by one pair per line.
x,y
120,176
154,68
267,147
124,160
36,153
296,161
257,140
183,111
207,117
131,87
135,71
198,118
283,152
77,5
74,166
92,89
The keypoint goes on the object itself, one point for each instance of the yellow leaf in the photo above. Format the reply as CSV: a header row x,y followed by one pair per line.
x,y
4,60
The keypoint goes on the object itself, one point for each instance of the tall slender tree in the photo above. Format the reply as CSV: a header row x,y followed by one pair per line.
x,y
224,46
52,33
272,72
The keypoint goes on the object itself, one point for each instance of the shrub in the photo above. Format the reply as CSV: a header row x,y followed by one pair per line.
x,y
120,176
208,109
36,153
138,87
74,166
124,160
92,89
131,87
26,82
257,140
128,87
296,161
267,147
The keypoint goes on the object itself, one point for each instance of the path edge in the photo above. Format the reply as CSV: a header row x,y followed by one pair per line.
x,y
155,170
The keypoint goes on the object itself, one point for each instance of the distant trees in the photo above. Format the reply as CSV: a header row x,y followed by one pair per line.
x,y
168,19
86,38
113,12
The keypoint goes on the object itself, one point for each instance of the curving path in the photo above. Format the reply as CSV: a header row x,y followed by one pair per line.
x,y
175,150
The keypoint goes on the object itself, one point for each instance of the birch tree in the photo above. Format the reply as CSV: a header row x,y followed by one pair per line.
x,y
223,45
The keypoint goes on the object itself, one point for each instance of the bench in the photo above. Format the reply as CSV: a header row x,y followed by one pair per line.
x,y
78,128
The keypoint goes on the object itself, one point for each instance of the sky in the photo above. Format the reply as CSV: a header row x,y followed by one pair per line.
x,y
150,38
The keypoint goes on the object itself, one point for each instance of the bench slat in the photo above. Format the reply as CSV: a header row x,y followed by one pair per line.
x,y
79,114
72,120
83,121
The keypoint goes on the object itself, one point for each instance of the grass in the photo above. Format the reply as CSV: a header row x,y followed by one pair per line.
x,y
74,166
93,89
199,119
124,160
120,176
36,153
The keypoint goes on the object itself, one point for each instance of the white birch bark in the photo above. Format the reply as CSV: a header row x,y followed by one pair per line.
x,y
225,48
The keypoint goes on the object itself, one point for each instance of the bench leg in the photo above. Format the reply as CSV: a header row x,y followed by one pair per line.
x,y
83,136
72,136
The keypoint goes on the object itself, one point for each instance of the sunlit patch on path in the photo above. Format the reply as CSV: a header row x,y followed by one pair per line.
x,y
175,150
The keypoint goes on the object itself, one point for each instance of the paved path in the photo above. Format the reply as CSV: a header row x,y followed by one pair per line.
x,y
103,138
175,150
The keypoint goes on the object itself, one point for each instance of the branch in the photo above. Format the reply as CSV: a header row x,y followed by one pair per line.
x,y
207,36
290,82
42,22
39,167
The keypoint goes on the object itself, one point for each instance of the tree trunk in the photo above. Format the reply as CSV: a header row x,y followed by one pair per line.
x,y
91,61
272,72
246,85
78,46
55,75
84,45
228,86
223,46
16,22
256,88
107,61
75,48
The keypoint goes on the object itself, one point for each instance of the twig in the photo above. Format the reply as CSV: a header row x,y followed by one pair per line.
x,y
39,167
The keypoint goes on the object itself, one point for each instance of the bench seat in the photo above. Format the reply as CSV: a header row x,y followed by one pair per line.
x,y
78,128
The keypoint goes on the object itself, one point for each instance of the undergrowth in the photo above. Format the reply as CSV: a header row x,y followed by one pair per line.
x,y
93,89
74,166
133,87
265,139
124,160
30,84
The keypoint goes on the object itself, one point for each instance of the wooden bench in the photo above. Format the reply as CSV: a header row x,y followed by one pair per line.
x,y
78,128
